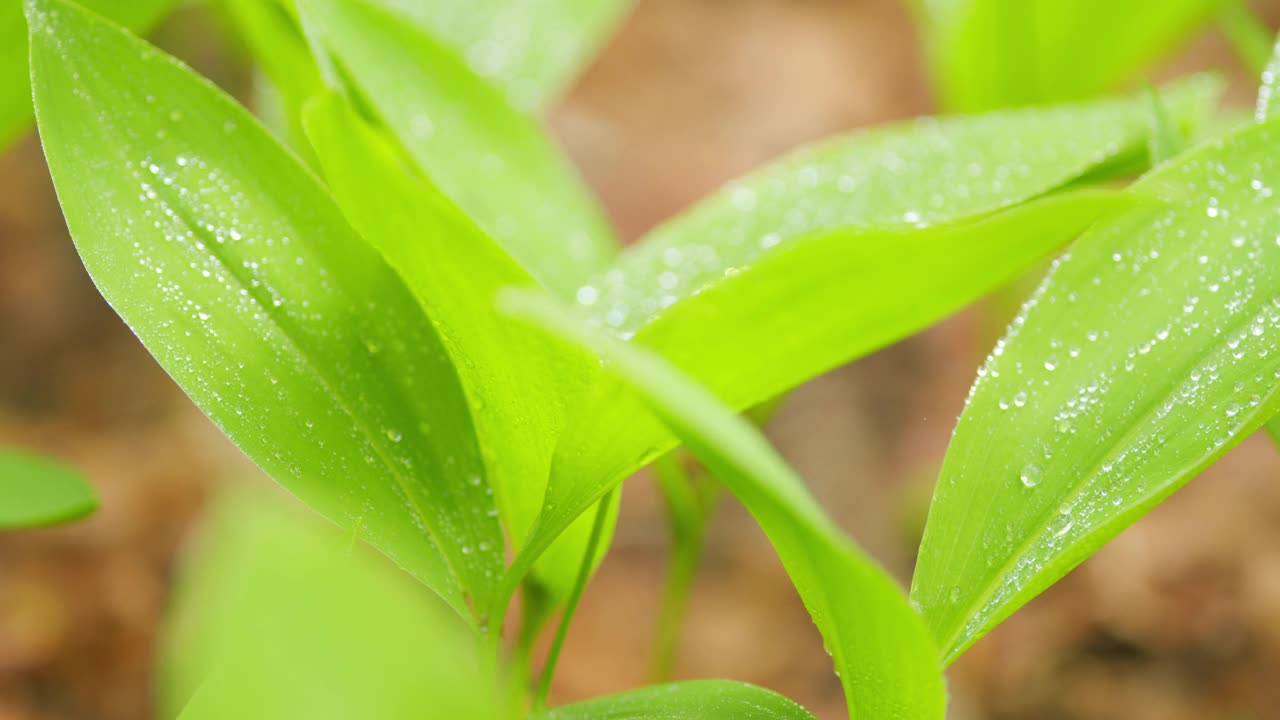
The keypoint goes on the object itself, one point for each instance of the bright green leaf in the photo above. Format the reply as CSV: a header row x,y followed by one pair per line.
x,y
240,275
530,49
693,700
1268,97
880,645
1150,350
988,54
1164,139
15,86
277,620
518,380
497,164
38,491
272,34
832,254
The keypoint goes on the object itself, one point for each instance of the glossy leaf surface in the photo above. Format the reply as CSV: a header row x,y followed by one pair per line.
x,y
15,86
781,289
693,700
1151,349
497,164
988,54
518,380
881,648
276,619
241,276
38,491
530,49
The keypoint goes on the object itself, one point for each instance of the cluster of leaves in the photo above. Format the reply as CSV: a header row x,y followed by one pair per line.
x,y
440,347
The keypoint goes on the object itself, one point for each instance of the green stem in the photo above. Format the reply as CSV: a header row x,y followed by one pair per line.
x,y
1252,39
688,514
579,586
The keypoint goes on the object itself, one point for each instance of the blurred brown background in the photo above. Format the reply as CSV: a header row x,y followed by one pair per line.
x,y
1178,618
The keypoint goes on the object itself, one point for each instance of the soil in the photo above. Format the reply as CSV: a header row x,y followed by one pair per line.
x,y
1177,618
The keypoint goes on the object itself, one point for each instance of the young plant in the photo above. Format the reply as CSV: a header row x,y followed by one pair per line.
x,y
346,334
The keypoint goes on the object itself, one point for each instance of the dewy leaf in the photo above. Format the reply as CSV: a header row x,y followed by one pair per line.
x,y
530,49
240,274
38,491
693,700
1150,350
882,650
988,54
834,253
1268,97
518,380
497,164
277,620
15,86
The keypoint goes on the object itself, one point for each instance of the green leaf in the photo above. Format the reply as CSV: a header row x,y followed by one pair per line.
x,y
693,700
988,54
1268,97
881,648
271,31
15,86
530,49
1249,35
38,491
1149,351
1165,139
277,620
518,380
240,275
835,253
497,164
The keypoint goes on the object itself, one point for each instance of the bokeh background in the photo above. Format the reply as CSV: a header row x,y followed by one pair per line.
x,y
1177,618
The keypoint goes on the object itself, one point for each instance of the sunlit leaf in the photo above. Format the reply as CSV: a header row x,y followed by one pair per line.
x,y
277,620
271,31
1268,97
988,54
835,253
880,646
497,164
693,700
1165,140
518,380
530,49
1150,350
15,86
240,275
38,491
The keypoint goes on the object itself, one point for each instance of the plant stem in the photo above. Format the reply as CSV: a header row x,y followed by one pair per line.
x,y
579,586
1251,38
688,513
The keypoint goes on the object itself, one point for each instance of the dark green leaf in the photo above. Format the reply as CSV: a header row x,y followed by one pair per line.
x,y
38,491
496,163
1150,350
241,276
882,650
277,620
693,700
